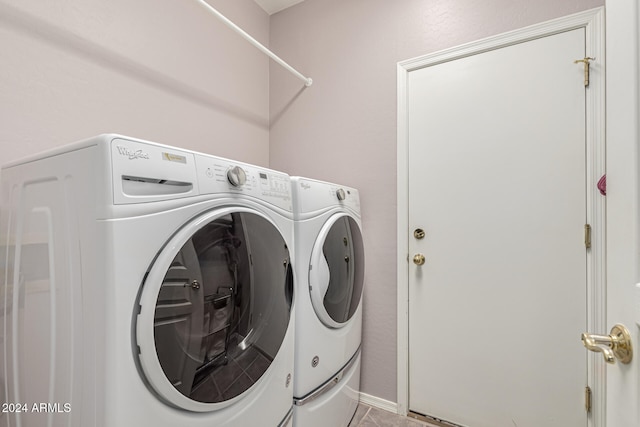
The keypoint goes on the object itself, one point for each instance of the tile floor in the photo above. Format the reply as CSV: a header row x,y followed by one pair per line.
x,y
367,416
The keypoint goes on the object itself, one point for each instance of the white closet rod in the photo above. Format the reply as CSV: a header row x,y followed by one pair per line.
x,y
307,80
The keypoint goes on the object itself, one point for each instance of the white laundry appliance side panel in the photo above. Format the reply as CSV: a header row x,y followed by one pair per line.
x,y
45,326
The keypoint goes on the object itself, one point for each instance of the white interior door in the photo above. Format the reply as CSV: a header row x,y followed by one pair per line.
x,y
497,173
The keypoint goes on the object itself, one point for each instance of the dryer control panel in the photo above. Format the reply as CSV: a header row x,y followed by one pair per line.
x,y
313,195
218,175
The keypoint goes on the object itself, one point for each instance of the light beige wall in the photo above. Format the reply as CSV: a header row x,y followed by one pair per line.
x,y
162,70
343,127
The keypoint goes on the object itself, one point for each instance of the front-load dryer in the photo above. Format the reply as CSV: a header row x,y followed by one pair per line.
x,y
144,285
329,269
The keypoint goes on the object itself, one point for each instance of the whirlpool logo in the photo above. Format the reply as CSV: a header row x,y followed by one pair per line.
x,y
132,154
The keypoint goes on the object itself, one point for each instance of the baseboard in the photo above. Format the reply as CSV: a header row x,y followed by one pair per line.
x,y
379,403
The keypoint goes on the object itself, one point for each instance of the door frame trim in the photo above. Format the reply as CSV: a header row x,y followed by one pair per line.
x,y
593,23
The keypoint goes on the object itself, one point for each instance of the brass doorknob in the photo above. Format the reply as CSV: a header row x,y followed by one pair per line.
x,y
418,259
615,345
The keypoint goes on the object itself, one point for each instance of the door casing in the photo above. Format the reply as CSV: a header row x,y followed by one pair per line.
x,y
593,22
623,205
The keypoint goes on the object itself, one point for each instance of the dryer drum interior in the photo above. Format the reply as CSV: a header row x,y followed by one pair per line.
x,y
336,273
343,253
223,307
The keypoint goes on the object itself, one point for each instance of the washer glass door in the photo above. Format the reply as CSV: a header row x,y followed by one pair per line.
x,y
336,270
215,308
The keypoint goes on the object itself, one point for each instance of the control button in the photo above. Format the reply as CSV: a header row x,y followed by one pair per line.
x,y
236,176
209,172
341,194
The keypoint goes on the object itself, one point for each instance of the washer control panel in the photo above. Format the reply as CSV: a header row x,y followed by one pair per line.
x,y
217,175
236,176
147,172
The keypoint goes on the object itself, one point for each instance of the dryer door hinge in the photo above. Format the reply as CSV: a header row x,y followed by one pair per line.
x,y
587,399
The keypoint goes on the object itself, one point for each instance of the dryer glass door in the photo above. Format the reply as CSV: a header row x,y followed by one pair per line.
x,y
215,308
336,271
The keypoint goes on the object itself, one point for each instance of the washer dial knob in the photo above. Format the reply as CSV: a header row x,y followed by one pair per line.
x,y
341,194
236,176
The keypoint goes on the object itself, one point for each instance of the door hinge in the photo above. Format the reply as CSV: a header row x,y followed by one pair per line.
x,y
587,236
587,398
586,62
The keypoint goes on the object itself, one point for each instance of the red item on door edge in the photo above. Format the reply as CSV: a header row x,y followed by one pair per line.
x,y
602,185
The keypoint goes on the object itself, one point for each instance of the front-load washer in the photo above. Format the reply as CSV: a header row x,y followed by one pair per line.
x,y
329,269
143,285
